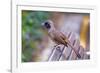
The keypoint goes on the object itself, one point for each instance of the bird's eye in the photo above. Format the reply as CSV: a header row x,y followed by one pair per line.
x,y
47,25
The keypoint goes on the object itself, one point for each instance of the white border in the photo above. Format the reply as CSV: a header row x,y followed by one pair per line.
x,y
17,66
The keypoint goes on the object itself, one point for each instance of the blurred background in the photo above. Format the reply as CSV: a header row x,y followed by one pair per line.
x,y
36,45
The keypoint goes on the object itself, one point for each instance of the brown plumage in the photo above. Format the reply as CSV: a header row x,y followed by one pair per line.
x,y
57,36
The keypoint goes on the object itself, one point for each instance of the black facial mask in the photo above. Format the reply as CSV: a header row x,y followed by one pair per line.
x,y
47,25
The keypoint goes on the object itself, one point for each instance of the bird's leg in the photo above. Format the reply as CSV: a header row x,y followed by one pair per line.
x,y
67,45
56,45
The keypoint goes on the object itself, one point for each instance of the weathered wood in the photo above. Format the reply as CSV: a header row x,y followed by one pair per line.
x,y
61,52
72,55
67,51
56,53
86,56
81,52
76,46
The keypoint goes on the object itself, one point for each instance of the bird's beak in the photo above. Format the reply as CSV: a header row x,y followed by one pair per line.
x,y
42,24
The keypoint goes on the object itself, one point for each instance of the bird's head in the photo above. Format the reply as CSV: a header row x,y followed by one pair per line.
x,y
48,24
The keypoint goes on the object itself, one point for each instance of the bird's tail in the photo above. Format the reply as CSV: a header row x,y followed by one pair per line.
x,y
76,52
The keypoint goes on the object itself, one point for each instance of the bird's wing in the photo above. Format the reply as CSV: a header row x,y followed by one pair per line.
x,y
57,37
60,37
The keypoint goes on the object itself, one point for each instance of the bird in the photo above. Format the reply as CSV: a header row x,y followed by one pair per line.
x,y
57,36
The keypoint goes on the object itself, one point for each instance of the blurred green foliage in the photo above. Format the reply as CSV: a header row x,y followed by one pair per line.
x,y
32,32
